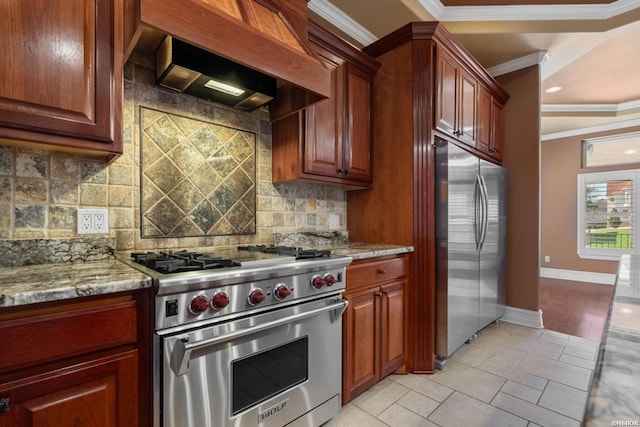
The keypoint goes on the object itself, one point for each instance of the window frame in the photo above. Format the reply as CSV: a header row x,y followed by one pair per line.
x,y
600,253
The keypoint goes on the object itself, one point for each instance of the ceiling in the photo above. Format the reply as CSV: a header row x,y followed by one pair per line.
x,y
590,48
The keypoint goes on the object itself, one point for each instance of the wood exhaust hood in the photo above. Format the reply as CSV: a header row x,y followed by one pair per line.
x,y
269,36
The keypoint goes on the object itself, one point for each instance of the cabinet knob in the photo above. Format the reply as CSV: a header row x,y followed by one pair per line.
x,y
5,405
382,271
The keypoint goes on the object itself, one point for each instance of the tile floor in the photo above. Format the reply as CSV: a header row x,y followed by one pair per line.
x,y
509,375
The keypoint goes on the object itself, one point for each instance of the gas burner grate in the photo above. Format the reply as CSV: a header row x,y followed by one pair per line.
x,y
298,253
181,261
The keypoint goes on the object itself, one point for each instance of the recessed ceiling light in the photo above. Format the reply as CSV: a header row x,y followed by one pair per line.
x,y
553,89
631,152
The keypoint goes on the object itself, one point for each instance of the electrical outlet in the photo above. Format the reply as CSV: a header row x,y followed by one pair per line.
x,y
84,223
334,221
93,221
99,222
547,258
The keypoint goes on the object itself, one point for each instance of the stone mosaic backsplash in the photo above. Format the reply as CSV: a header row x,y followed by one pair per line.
x,y
198,177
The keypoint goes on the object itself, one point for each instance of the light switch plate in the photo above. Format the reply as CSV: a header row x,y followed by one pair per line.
x,y
93,221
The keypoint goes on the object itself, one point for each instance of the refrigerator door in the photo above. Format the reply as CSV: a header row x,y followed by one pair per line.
x,y
457,263
491,267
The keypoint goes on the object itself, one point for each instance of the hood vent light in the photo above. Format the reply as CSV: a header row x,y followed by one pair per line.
x,y
224,88
189,69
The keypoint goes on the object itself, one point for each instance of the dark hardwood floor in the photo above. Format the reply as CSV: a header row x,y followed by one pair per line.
x,y
574,308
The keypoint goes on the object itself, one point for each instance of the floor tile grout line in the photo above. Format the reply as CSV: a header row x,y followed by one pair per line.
x,y
519,355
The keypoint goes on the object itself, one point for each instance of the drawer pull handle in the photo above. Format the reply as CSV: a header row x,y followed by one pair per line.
x,y
381,271
5,405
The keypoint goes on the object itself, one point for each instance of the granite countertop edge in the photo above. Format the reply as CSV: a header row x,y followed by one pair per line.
x,y
33,284
358,250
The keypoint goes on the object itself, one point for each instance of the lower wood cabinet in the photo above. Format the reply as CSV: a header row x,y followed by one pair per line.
x,y
96,393
374,323
82,363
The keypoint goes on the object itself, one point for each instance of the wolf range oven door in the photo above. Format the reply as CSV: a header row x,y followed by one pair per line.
x,y
282,367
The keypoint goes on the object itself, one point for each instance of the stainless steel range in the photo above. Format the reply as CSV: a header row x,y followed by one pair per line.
x,y
246,338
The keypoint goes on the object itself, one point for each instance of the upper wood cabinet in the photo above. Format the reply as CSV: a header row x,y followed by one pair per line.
x,y
464,107
495,146
330,140
61,70
455,105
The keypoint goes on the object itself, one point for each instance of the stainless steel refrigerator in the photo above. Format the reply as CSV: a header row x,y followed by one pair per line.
x,y
470,242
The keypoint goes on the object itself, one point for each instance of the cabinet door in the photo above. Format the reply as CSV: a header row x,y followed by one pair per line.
x,y
446,93
59,72
323,151
357,132
392,319
496,130
100,393
466,129
361,360
484,124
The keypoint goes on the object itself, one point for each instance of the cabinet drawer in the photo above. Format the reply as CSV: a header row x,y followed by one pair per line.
x,y
368,272
51,336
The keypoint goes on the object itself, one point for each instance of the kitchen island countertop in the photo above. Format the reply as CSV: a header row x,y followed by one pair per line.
x,y
51,282
614,395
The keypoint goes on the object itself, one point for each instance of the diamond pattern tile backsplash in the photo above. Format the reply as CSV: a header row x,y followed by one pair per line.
x,y
198,178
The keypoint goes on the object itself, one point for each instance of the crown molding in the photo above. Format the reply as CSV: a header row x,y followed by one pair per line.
x,y
592,129
529,12
337,17
590,108
536,58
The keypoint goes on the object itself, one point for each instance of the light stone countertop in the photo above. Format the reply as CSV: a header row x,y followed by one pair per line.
x,y
59,281
614,394
358,250
50,282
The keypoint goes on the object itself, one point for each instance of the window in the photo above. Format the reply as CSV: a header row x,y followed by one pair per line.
x,y
611,150
606,214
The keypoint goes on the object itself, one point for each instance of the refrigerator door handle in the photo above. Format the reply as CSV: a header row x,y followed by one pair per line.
x,y
477,215
485,211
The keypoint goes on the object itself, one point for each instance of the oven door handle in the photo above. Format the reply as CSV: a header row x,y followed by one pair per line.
x,y
182,351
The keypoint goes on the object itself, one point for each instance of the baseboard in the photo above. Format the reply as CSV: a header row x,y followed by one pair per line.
x,y
519,316
578,276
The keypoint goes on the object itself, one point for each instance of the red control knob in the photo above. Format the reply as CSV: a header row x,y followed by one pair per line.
x,y
318,282
219,300
199,304
256,296
330,279
281,291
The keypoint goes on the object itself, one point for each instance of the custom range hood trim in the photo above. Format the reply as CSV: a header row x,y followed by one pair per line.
x,y
208,24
